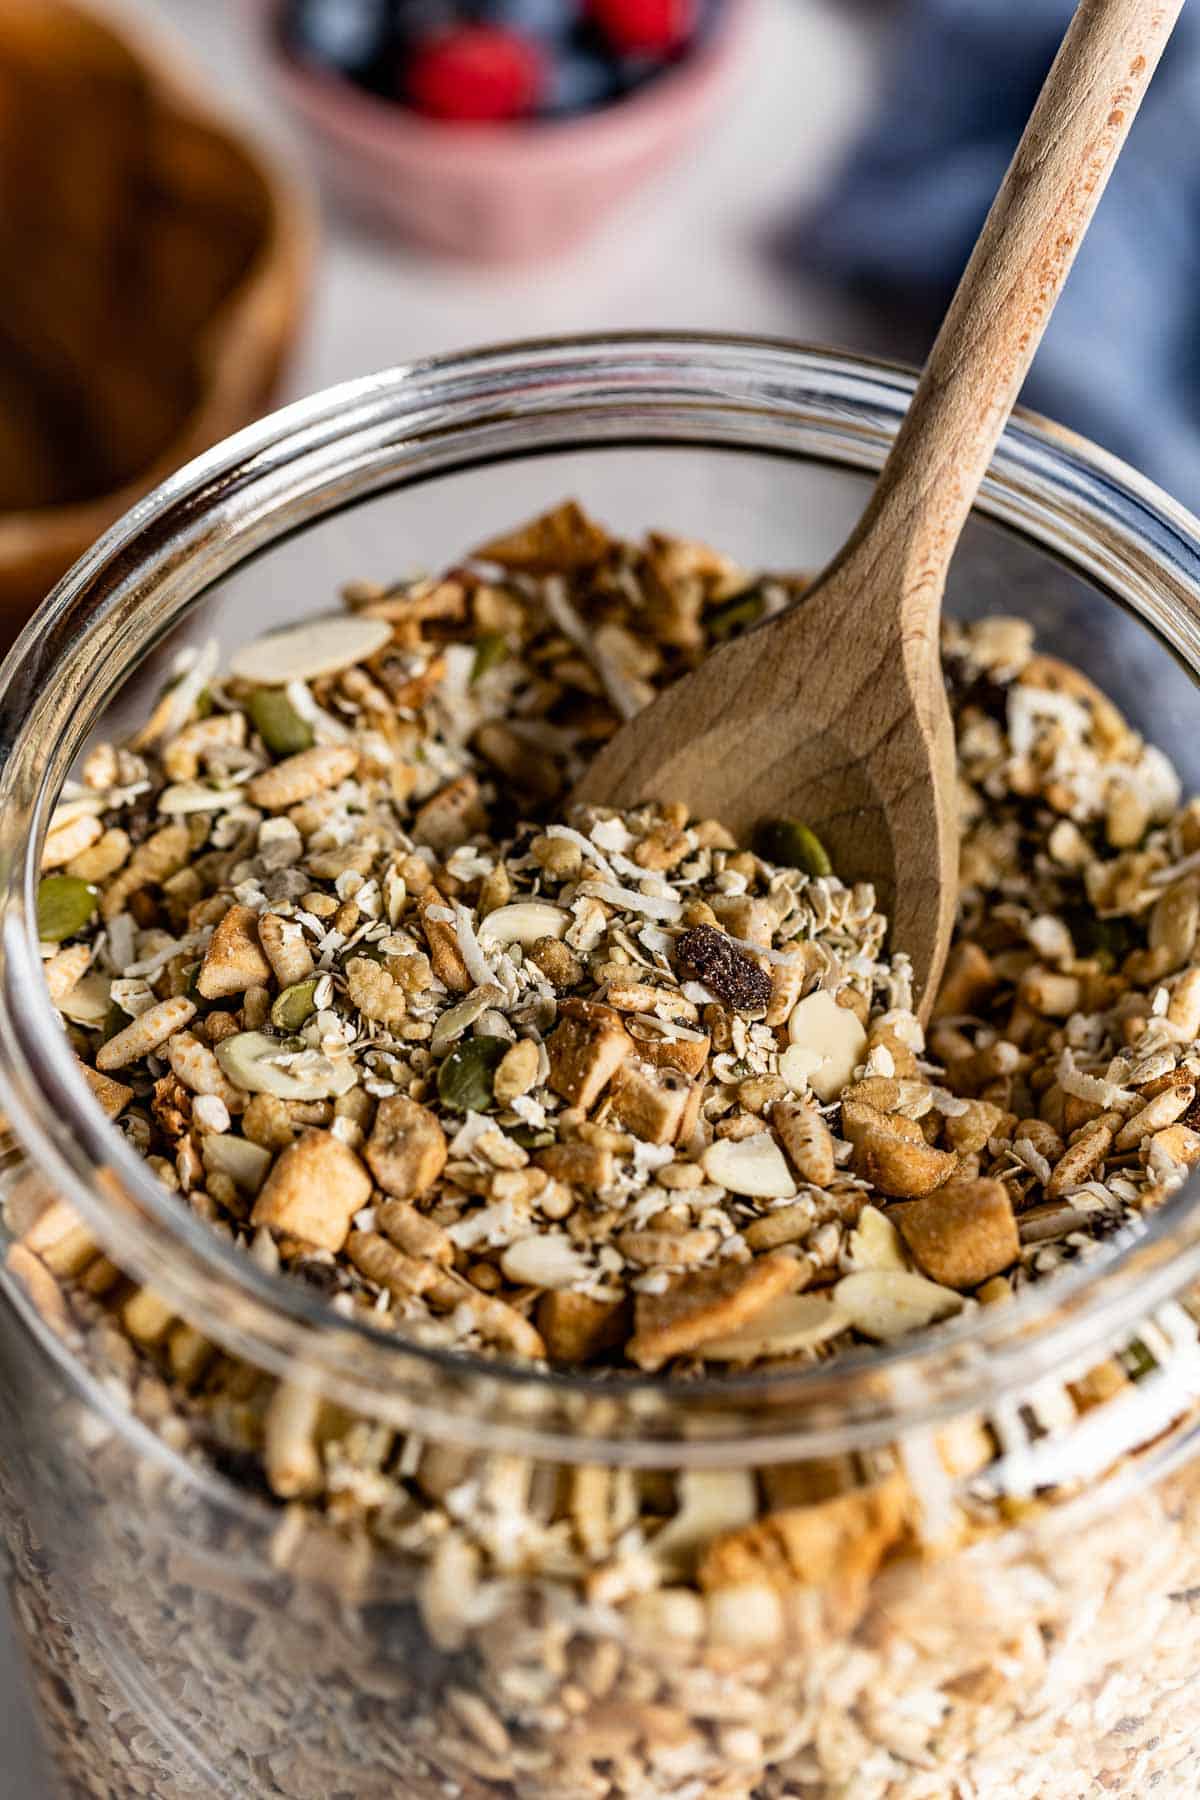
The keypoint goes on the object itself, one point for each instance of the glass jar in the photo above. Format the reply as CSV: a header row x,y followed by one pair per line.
x,y
976,1563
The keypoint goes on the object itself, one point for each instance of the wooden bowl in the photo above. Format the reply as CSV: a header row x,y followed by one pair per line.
x,y
155,272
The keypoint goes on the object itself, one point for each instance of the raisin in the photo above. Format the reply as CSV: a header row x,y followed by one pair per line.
x,y
711,957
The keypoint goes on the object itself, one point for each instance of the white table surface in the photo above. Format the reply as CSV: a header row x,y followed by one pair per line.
x,y
689,251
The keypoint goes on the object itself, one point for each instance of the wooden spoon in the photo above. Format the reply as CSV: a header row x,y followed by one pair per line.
x,y
835,711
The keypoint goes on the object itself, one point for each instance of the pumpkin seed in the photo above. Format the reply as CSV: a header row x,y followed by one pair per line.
x,y
490,650
295,1004
64,906
735,614
278,723
467,1077
791,844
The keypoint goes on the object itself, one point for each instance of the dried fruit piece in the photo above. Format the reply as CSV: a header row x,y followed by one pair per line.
x,y
578,1329
835,1544
889,1303
64,906
728,972
562,539
313,1191
282,729
754,1166
963,1233
316,647
466,1080
586,1048
406,1151
891,1152
827,1044
234,960
709,1304
791,844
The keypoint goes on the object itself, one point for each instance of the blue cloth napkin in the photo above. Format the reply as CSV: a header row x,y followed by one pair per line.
x,y
1121,358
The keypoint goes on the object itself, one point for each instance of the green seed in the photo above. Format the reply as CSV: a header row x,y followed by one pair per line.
x,y
466,1078
490,650
735,614
791,844
294,1005
530,1137
64,906
278,723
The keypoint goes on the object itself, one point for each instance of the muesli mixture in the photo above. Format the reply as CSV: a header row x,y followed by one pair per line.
x,y
611,1091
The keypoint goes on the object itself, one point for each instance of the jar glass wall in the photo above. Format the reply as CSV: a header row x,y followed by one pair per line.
x,y
988,1539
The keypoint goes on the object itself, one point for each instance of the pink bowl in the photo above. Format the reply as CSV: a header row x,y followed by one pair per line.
x,y
503,193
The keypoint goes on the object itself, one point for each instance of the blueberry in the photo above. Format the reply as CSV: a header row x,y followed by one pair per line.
x,y
579,80
548,20
340,34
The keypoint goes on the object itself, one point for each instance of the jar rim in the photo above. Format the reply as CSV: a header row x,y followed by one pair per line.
x,y
355,441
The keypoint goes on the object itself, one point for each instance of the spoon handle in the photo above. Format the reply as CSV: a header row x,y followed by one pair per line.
x,y
1003,302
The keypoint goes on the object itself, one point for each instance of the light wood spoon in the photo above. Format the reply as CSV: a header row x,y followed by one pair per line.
x,y
835,711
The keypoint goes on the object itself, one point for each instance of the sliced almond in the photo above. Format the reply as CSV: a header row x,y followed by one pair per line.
x,y
789,1324
249,1060
827,1044
710,1501
246,1164
524,922
754,1166
889,1303
546,1260
875,1243
316,647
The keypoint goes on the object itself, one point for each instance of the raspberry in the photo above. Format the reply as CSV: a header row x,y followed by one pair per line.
x,y
645,27
477,73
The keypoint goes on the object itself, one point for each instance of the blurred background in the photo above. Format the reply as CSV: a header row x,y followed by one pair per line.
x,y
210,206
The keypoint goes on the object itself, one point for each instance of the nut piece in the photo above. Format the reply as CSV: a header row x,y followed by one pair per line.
x,y
316,647
517,1072
406,1151
301,776
313,1191
963,1233
875,1243
258,1064
789,1324
751,1165
712,1303
807,1139
889,1303
586,1049
544,1260
891,1152
652,1103
827,1044
146,1033
524,922
234,959
442,939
